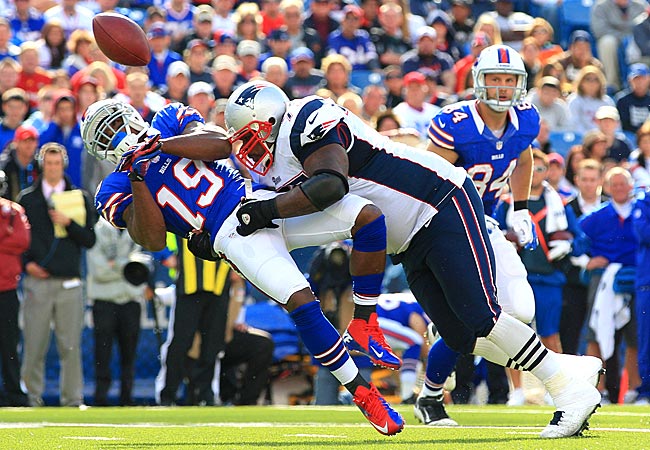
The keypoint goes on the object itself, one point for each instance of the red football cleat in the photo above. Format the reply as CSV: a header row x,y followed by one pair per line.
x,y
378,412
367,338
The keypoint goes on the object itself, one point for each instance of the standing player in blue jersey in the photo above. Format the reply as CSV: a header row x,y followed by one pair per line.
x,y
434,221
152,192
491,138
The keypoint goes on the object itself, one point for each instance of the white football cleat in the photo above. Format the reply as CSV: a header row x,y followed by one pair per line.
x,y
588,368
575,405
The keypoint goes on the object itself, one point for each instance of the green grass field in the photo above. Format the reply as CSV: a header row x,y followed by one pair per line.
x,y
304,427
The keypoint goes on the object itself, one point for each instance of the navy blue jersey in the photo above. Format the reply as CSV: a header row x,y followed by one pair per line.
x,y
489,160
191,194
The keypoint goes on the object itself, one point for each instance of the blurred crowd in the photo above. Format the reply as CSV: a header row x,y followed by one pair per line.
x,y
394,63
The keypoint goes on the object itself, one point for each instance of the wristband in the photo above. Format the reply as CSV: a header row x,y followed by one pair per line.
x,y
520,204
134,176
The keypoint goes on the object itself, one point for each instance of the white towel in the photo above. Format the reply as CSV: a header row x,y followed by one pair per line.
x,y
609,313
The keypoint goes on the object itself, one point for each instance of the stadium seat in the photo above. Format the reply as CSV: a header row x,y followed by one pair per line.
x,y
574,15
363,78
562,141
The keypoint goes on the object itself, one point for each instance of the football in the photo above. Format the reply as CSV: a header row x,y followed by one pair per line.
x,y
121,39
561,235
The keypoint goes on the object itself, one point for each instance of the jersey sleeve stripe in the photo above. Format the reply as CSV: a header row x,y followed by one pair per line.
x,y
440,143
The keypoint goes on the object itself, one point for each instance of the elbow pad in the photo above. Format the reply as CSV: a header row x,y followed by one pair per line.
x,y
325,188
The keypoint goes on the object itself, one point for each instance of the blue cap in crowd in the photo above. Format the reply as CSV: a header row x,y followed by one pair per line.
x,y
157,30
638,70
302,54
580,36
279,34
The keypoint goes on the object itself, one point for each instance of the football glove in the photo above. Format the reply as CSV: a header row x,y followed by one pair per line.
x,y
254,215
200,245
558,249
136,159
522,224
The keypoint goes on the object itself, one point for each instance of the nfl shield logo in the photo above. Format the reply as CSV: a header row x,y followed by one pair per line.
x,y
499,145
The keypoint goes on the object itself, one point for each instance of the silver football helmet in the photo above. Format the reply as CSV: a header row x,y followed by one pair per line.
x,y
110,127
253,115
499,59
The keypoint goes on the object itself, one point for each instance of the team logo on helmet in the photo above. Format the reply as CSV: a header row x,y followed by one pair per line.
x,y
247,96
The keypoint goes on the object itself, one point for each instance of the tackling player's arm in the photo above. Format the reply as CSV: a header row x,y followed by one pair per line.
x,y
200,142
144,219
522,176
449,155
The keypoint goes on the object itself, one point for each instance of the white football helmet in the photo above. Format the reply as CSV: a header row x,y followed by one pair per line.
x,y
499,59
253,115
110,127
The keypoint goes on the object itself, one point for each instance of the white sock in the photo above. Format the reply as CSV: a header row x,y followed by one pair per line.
x,y
407,383
428,392
523,347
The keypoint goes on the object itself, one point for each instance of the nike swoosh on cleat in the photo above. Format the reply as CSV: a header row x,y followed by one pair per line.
x,y
383,429
377,354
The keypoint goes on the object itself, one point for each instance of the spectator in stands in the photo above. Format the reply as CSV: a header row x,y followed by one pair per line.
x,y
137,88
320,20
578,55
272,18
9,73
387,121
248,53
71,16
202,29
512,24
201,305
641,226
633,104
542,31
352,102
87,91
18,162
224,16
293,12
463,67
248,22
612,246
414,111
441,22
154,14
32,77
374,102
641,36
225,76
64,129
15,106
425,54
116,305
556,176
224,44
161,56
462,21
543,139
200,96
589,182
370,18
42,116
574,157
353,42
530,54
7,48
52,284
52,48
611,24
548,100
180,15
109,79
589,94
391,39
15,237
393,81
197,56
26,21
640,157
304,79
178,80
276,71
608,120
337,71
413,21
279,46
488,24
79,45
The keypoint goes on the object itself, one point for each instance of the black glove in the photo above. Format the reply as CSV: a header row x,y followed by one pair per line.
x,y
200,245
256,214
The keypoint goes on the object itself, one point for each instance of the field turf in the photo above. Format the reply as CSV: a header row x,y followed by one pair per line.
x,y
305,427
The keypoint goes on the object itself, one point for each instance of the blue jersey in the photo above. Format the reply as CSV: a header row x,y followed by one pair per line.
x,y
489,160
191,194
399,307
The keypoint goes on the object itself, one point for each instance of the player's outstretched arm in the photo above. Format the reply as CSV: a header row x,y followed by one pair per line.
x,y
144,220
200,142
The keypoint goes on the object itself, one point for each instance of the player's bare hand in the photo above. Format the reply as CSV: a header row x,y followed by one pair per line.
x,y
254,215
36,271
